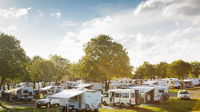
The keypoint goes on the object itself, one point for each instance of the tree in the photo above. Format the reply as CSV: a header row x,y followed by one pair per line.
x,y
13,60
179,69
195,69
104,60
42,70
161,69
62,66
146,70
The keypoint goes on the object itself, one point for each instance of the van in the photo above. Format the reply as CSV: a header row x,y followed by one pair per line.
x,y
122,97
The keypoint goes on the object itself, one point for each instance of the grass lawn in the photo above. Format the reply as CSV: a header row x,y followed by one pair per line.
x,y
172,105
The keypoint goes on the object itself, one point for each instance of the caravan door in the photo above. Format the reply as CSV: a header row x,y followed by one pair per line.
x,y
137,97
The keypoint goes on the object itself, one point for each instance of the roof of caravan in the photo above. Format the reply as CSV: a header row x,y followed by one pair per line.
x,y
150,82
12,90
121,90
83,85
144,89
47,87
187,80
66,94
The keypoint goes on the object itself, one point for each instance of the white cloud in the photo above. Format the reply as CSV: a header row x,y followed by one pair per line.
x,y
69,24
13,12
56,14
150,32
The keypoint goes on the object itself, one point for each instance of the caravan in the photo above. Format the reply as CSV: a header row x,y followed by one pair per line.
x,y
50,90
79,99
122,97
21,93
151,94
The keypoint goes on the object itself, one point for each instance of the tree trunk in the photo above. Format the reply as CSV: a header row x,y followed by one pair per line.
x,y
2,82
107,85
34,85
8,86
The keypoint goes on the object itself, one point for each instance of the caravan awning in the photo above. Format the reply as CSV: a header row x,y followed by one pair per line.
x,y
143,89
66,94
12,90
46,88
83,85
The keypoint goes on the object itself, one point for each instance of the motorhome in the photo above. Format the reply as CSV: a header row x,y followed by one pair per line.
x,y
122,97
79,99
20,93
50,90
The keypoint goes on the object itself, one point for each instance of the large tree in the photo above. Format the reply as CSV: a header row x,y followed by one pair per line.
x,y
104,60
179,69
161,69
195,69
146,70
13,60
62,66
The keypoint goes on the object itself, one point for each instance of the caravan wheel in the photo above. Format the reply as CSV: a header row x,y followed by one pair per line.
x,y
122,105
104,103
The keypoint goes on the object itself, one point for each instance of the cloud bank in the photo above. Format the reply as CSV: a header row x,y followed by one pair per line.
x,y
156,30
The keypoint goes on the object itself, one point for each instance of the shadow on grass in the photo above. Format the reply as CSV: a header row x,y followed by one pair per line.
x,y
32,110
175,105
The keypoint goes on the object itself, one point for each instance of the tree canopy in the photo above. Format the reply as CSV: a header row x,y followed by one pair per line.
x,y
13,60
104,60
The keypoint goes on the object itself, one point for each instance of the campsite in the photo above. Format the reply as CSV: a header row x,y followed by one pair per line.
x,y
99,56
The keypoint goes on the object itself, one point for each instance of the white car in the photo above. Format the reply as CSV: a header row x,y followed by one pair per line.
x,y
183,94
47,102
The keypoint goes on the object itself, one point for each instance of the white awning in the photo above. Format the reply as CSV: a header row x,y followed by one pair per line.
x,y
150,82
83,85
66,94
12,90
46,88
143,89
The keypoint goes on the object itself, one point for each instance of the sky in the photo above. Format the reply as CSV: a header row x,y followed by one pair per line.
x,y
150,30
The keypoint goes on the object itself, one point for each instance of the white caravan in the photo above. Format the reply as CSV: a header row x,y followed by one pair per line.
x,y
50,90
92,86
172,82
122,97
152,94
21,93
79,99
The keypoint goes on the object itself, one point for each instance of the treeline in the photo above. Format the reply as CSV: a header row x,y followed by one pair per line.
x,y
103,61
177,69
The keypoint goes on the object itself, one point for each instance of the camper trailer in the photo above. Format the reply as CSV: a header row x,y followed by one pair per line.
x,y
122,97
50,90
79,99
21,93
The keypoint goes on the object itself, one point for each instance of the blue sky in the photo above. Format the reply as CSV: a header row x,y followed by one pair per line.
x,y
150,30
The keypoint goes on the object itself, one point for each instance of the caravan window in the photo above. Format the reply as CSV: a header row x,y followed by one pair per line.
x,y
161,91
132,95
25,91
117,95
125,95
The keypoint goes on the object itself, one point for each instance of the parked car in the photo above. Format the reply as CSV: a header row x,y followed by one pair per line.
x,y
183,94
47,102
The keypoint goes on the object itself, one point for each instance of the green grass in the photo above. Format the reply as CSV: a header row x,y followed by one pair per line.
x,y
172,105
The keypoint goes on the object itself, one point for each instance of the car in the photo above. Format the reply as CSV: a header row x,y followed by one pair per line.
x,y
183,94
47,102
